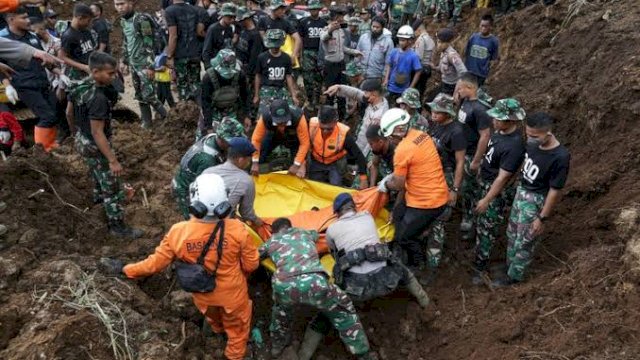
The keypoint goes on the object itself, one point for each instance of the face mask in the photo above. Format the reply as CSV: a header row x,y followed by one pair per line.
x,y
534,142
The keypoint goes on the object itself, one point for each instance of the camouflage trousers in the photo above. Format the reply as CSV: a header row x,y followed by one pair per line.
x,y
107,188
437,233
470,192
182,198
216,116
521,245
488,224
333,304
188,79
457,6
144,87
270,93
312,77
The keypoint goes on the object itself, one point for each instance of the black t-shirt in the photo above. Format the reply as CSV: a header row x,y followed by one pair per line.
x,y
448,138
248,48
204,17
79,44
98,108
309,29
185,18
218,37
504,152
543,169
267,23
258,15
273,70
166,3
102,28
473,114
33,76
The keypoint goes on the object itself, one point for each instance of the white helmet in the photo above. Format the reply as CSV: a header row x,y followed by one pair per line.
x,y
392,118
405,32
208,196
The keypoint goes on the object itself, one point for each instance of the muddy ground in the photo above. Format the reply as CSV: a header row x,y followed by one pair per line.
x,y
581,301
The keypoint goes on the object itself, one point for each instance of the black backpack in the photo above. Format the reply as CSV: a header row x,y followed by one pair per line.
x,y
160,37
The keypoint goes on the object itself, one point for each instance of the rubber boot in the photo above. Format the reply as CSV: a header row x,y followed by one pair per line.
x,y
121,230
415,289
45,137
145,115
309,344
161,113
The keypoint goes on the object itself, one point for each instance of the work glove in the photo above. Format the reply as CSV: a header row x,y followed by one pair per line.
x,y
64,80
111,267
12,94
382,185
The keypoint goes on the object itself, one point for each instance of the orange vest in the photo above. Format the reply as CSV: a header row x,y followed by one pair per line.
x,y
331,149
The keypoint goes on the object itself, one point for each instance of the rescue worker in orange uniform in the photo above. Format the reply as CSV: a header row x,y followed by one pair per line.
x,y
418,175
227,308
331,143
277,125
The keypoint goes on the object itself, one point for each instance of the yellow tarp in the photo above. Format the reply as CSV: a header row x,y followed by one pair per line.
x,y
279,194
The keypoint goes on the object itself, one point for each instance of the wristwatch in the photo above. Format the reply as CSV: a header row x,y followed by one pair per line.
x,y
542,218
455,189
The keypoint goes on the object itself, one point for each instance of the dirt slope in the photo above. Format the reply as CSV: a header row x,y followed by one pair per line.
x,y
580,303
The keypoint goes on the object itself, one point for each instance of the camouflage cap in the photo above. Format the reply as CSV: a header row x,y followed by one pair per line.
x,y
352,69
228,9
225,63
277,4
354,21
314,5
229,128
411,97
507,109
443,103
243,13
273,38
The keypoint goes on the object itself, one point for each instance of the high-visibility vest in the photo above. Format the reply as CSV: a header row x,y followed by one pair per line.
x,y
331,149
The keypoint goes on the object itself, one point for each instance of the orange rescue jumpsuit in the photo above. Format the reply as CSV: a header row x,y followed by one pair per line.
x,y
228,307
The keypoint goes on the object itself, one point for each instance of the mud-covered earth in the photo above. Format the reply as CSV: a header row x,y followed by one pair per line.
x,y
580,302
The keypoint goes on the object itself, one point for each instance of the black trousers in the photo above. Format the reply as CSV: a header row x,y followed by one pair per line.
x,y
333,75
410,223
163,90
42,102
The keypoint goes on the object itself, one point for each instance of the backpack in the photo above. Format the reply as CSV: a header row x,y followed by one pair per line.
x,y
146,25
224,97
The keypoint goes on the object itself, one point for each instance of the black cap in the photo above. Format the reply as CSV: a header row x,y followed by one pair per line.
x,y
242,146
280,112
371,85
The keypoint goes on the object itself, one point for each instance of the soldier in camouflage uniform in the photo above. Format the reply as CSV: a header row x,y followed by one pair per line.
x,y
224,93
544,174
503,158
410,102
206,152
309,29
138,55
395,15
273,73
300,279
93,99
448,135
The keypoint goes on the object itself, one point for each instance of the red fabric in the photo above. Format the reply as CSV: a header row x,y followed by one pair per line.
x,y
7,120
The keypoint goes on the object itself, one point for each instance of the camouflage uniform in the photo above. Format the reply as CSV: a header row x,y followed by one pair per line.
x,y
300,279
437,233
411,98
470,192
521,245
188,79
312,76
138,51
202,155
395,18
107,188
270,93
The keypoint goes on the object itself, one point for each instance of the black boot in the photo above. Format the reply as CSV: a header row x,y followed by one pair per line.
x,y
479,273
504,282
122,230
161,112
145,115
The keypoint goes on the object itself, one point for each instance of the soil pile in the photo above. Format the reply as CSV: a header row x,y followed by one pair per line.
x,y
581,299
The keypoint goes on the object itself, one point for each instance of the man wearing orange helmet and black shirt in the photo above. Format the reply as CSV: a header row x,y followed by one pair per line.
x,y
417,172
330,142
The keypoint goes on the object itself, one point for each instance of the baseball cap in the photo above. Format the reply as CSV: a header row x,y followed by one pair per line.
x,y
341,200
242,145
280,113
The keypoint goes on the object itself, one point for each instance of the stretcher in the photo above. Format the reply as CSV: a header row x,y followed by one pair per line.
x,y
308,204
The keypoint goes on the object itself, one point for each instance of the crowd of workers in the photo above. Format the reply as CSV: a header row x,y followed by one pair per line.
x,y
339,96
